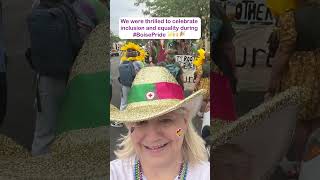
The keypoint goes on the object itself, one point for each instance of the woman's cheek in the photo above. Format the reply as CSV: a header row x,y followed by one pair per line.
x,y
136,137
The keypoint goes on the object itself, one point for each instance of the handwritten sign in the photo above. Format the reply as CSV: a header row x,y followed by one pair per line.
x,y
185,61
253,23
248,11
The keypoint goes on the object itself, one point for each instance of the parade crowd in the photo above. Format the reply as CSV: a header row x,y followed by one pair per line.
x,y
294,46
57,30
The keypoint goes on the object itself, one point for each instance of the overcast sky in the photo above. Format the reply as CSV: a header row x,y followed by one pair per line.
x,y
123,8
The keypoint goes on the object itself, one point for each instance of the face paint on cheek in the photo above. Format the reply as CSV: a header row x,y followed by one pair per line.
x,y
179,132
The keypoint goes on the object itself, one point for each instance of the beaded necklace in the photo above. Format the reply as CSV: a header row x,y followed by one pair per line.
x,y
138,175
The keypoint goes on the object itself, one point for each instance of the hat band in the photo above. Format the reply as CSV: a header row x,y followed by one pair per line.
x,y
155,91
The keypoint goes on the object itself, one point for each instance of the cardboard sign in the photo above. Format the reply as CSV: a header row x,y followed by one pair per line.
x,y
186,63
248,11
253,24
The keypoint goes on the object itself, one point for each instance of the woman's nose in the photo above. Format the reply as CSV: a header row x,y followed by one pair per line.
x,y
153,129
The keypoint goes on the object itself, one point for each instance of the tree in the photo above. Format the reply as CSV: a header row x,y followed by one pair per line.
x,y
136,41
179,8
114,38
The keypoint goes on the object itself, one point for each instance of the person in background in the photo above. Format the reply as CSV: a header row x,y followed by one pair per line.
x,y
51,86
130,65
202,81
161,55
153,52
230,160
173,67
297,63
223,74
90,13
202,77
183,47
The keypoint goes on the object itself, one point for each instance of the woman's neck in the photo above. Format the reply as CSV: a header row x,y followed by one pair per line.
x,y
165,172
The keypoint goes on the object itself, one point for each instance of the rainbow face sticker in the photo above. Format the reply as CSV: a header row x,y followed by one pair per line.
x,y
179,132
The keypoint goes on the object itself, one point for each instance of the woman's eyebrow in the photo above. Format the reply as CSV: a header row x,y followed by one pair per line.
x,y
168,116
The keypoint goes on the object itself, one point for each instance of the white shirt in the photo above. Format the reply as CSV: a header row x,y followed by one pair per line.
x,y
123,170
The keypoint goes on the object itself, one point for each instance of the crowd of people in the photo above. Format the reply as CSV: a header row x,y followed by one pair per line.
x,y
57,31
295,47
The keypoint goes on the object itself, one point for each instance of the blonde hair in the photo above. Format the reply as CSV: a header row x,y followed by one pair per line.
x,y
193,146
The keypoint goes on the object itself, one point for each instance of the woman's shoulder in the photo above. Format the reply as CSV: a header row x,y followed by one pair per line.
x,y
200,171
121,168
122,162
202,165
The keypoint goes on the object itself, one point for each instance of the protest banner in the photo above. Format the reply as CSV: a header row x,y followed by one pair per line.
x,y
253,23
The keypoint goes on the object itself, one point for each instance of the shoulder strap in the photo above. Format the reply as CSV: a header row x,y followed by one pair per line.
x,y
132,68
71,18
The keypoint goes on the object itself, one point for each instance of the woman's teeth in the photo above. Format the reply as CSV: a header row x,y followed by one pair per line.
x,y
155,147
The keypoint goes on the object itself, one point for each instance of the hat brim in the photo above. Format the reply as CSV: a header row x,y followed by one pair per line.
x,y
136,112
223,132
76,154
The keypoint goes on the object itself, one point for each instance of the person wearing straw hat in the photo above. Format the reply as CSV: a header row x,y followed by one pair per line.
x,y
161,142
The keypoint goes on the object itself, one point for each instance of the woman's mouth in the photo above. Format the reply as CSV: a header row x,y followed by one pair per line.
x,y
156,148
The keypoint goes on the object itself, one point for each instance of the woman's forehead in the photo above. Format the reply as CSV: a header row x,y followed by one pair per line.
x,y
174,115
171,114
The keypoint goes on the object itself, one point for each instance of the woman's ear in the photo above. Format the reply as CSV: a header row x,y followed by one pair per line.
x,y
185,120
188,115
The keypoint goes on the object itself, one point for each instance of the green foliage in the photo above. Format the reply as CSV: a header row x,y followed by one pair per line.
x,y
114,38
179,8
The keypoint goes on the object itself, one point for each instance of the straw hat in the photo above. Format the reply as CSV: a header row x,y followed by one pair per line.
x,y
155,92
77,154
222,132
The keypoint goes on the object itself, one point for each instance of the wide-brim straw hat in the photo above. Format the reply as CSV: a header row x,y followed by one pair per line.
x,y
155,92
77,154
222,131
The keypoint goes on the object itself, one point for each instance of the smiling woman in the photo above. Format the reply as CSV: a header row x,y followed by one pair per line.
x,y
161,142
